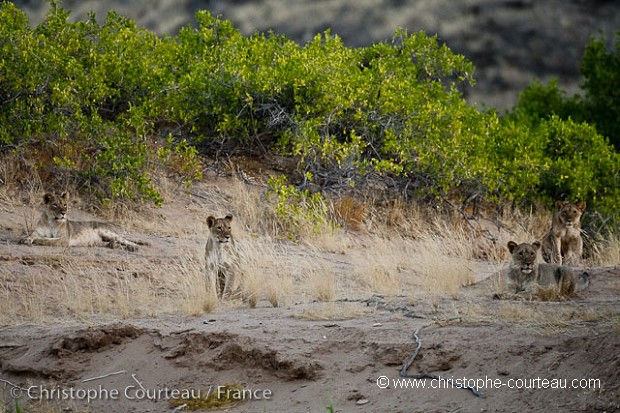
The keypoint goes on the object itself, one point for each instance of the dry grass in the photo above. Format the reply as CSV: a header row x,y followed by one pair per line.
x,y
552,294
17,176
321,280
350,213
440,272
551,318
55,287
396,250
263,272
606,252
381,265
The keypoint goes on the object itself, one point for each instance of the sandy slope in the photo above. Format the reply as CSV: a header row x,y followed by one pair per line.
x,y
306,355
308,365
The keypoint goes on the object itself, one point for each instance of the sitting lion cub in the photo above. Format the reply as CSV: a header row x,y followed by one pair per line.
x,y
526,276
54,228
563,243
220,255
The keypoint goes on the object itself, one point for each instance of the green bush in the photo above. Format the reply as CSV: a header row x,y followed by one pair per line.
x,y
299,213
559,159
600,103
601,70
107,108
576,135
75,91
538,102
581,165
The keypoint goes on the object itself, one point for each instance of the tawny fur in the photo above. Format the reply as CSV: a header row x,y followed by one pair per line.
x,y
220,256
563,243
526,277
55,229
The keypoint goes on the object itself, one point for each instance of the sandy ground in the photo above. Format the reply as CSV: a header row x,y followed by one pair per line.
x,y
287,361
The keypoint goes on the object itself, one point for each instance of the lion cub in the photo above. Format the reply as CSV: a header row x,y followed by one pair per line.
x,y
54,228
526,277
563,243
220,255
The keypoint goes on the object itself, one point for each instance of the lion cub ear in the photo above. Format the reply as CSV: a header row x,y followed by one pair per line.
x,y
536,245
581,205
210,221
511,246
48,198
228,217
559,204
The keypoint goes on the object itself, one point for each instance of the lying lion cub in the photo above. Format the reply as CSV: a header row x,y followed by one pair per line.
x,y
54,228
526,277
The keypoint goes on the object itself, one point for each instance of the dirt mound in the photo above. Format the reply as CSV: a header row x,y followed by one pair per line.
x,y
224,351
271,361
94,339
61,358
333,363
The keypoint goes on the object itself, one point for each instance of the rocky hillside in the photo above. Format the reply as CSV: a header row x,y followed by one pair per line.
x,y
510,42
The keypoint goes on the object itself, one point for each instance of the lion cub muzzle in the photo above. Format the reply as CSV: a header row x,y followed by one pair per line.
x,y
527,269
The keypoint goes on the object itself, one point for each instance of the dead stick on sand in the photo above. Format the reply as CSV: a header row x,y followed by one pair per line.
x,y
13,385
418,341
105,375
133,376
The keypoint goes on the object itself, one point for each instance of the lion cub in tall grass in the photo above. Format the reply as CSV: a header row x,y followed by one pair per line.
x,y
526,278
220,256
55,229
563,243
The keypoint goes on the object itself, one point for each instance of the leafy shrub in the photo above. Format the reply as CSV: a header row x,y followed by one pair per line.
x,y
538,102
107,108
559,159
576,159
74,91
601,70
299,213
600,103
582,164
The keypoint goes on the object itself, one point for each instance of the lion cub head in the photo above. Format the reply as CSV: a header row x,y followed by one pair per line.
x,y
524,256
56,206
220,228
569,214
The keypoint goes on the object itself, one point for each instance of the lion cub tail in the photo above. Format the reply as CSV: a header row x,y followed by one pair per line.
x,y
140,242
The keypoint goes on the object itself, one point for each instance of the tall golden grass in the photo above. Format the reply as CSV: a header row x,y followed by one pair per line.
x,y
395,250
